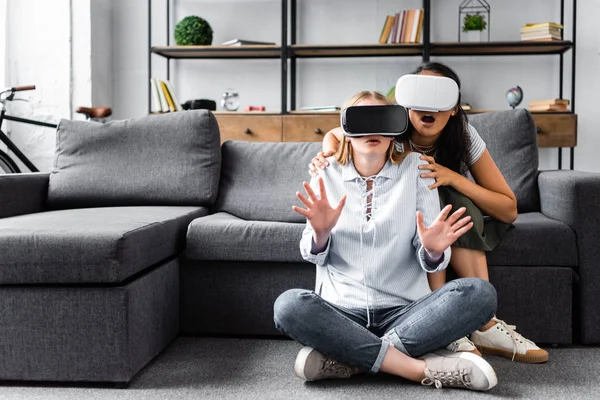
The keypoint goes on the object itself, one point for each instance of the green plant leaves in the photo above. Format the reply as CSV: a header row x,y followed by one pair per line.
x,y
193,31
474,22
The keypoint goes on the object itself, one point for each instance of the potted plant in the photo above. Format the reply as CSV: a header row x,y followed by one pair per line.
x,y
473,25
193,31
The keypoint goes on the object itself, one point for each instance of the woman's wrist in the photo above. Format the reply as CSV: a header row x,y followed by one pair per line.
x,y
457,179
433,257
320,240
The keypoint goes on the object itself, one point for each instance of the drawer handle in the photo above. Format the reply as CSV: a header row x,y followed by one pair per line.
x,y
318,131
247,131
539,130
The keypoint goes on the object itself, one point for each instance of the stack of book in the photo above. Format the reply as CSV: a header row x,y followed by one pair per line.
x,y
546,31
549,105
405,26
164,97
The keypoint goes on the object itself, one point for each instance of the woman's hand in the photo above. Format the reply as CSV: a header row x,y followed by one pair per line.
x,y
318,212
319,162
443,176
443,232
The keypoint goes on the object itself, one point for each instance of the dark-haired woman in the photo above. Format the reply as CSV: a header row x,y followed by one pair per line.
x,y
452,146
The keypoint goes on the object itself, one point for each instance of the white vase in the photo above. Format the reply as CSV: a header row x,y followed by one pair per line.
x,y
473,36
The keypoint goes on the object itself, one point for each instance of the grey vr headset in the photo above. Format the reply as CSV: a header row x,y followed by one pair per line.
x,y
416,92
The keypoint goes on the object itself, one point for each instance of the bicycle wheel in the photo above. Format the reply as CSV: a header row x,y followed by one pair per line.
x,y
7,165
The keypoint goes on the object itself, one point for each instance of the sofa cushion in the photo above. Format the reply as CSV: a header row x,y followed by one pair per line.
x,y
170,159
90,245
259,181
511,139
536,240
222,236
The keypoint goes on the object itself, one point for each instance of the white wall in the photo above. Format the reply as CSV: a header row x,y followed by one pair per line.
x,y
38,53
330,81
64,48
106,63
101,41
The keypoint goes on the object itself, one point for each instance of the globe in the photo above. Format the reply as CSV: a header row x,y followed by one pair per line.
x,y
514,96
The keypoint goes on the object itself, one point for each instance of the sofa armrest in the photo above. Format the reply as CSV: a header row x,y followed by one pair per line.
x,y
573,197
23,193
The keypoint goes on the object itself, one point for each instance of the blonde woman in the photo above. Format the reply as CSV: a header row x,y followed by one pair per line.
x,y
451,146
375,231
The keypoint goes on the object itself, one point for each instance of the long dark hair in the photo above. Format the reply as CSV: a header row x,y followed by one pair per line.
x,y
453,142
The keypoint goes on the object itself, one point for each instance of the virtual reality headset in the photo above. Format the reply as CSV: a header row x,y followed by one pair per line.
x,y
357,121
426,93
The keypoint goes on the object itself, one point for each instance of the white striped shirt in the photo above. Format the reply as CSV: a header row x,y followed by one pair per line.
x,y
380,262
476,146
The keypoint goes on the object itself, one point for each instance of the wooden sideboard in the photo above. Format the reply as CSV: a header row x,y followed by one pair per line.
x,y
554,129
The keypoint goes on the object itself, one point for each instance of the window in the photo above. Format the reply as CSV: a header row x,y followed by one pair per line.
x,y
3,39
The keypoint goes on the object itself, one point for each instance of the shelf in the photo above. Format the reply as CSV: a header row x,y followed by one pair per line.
x,y
355,50
313,112
364,50
518,108
260,51
246,113
499,48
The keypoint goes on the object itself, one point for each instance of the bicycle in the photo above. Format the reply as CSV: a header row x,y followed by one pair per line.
x,y
7,164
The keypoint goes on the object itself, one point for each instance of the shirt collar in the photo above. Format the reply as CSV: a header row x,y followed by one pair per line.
x,y
389,171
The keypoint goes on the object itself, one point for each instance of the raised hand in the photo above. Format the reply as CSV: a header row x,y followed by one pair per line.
x,y
443,232
318,212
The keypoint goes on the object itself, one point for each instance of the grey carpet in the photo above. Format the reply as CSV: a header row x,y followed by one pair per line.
x,y
209,368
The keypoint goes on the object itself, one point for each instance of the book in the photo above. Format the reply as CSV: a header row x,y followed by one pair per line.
x,y
535,31
543,25
395,28
155,96
420,26
178,106
415,27
409,24
549,101
168,97
387,29
549,107
243,42
164,106
541,38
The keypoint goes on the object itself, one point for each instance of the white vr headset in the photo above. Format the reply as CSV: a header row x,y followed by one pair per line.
x,y
416,92
426,93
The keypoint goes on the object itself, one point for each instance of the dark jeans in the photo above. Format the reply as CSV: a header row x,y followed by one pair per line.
x,y
430,323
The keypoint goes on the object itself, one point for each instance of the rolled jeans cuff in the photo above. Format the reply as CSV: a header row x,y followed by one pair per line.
x,y
385,344
394,339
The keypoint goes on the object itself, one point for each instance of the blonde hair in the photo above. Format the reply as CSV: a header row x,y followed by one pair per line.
x,y
344,152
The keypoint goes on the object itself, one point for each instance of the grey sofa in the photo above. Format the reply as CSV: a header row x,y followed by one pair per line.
x,y
147,228
245,253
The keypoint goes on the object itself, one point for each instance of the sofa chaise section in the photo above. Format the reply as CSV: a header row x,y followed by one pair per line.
x,y
89,254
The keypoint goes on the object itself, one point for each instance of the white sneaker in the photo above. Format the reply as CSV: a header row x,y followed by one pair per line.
x,y
311,365
503,340
461,370
463,344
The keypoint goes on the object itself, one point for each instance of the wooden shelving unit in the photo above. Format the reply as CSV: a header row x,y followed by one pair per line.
x,y
354,50
500,48
212,52
289,51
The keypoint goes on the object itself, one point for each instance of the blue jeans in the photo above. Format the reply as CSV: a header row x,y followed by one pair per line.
x,y
458,308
